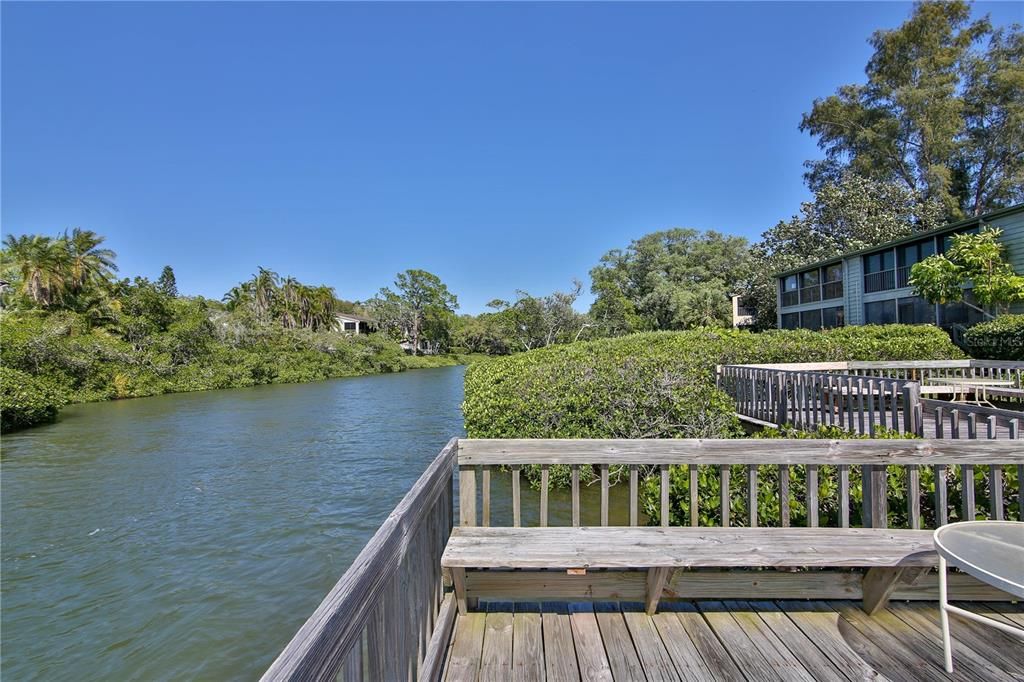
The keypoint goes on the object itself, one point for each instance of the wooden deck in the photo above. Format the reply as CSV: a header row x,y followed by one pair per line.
x,y
736,640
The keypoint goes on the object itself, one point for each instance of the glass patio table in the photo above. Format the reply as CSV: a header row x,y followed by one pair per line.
x,y
990,551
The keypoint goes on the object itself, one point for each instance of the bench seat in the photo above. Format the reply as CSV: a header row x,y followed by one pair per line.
x,y
658,550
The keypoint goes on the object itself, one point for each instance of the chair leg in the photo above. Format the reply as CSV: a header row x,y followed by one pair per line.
x,y
947,645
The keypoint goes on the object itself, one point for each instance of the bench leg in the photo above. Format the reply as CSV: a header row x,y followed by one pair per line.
x,y
459,583
656,579
878,586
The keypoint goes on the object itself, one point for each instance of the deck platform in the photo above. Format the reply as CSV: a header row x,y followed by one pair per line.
x,y
735,640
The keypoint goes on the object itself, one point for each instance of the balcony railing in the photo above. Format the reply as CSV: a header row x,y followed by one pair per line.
x,y
831,290
903,277
879,281
790,298
810,294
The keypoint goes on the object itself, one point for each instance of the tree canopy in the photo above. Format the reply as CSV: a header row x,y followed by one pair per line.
x,y
941,113
422,309
975,259
674,279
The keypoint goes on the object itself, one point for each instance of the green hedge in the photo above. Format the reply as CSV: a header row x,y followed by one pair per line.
x,y
26,400
657,384
998,339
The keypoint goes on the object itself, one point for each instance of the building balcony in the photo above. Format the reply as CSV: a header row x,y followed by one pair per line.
x,y
831,290
879,281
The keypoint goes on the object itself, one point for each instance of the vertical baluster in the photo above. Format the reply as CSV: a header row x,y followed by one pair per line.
x,y
860,406
694,516
516,502
939,430
544,484
467,495
954,424
941,497
752,495
724,489
871,407
1014,434
995,477
972,425
485,484
840,398
914,496
575,474
812,495
967,476
634,511
844,495
805,389
784,495
664,495
851,404
819,394
604,494
893,402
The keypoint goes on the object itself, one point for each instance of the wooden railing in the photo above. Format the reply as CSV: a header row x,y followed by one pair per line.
x,y
860,397
803,463
387,618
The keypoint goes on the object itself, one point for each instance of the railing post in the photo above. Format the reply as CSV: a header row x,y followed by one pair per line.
x,y
912,422
874,482
781,405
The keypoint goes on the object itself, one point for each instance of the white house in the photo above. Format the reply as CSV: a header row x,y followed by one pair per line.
x,y
354,324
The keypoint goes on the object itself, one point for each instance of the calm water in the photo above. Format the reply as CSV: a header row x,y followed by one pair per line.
x,y
189,536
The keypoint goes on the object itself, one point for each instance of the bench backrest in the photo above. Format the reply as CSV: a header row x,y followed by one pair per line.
x,y
749,482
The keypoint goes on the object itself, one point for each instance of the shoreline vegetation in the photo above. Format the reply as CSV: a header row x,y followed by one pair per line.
x,y
71,332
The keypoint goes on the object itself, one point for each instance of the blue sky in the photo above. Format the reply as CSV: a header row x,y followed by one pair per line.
x,y
500,146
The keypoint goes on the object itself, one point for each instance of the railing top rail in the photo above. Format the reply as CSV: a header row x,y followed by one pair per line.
x,y
317,648
967,408
887,364
734,451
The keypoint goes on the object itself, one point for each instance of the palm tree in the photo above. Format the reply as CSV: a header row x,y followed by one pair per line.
x,y
239,296
264,284
87,262
41,263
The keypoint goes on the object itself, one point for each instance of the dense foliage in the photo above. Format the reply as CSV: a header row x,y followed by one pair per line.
x,y
657,384
674,279
998,339
26,400
941,113
978,259
71,332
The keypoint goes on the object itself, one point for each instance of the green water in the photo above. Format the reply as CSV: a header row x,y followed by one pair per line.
x,y
188,536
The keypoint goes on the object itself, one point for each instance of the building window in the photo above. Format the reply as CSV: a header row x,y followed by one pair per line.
x,y
833,317
790,291
790,320
879,271
350,326
880,312
958,313
833,286
909,254
915,310
810,319
810,286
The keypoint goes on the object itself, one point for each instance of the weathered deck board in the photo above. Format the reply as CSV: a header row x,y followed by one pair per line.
x,y
737,640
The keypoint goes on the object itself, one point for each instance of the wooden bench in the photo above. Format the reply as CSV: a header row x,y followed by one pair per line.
x,y
889,555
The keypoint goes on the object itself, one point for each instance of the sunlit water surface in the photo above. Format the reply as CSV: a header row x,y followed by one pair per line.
x,y
190,535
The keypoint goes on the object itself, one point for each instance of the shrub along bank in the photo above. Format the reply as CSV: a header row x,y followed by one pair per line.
x,y
998,339
661,385
50,360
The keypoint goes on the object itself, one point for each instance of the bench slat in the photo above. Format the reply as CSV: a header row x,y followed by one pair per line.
x,y
679,547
